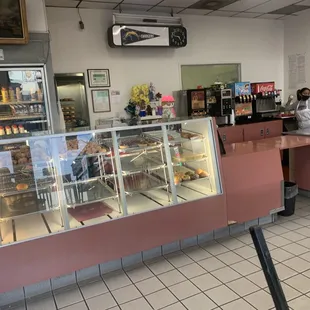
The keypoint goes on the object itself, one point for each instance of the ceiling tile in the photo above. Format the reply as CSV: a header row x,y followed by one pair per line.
x,y
272,5
141,2
243,5
62,3
304,12
270,16
212,4
305,2
165,9
247,15
104,1
289,10
195,12
97,5
178,3
134,7
222,13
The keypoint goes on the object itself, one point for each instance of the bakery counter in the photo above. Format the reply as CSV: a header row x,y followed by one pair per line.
x,y
126,189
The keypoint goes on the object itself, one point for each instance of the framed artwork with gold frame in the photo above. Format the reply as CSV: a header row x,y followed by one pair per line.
x,y
13,22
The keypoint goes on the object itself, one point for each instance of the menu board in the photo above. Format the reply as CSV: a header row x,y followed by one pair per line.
x,y
198,100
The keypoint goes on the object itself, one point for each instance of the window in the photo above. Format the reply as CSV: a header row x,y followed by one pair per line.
x,y
206,75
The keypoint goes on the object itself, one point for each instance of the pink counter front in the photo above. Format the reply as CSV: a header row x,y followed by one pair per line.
x,y
252,181
254,177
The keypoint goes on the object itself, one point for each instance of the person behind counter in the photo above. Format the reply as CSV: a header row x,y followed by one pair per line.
x,y
301,107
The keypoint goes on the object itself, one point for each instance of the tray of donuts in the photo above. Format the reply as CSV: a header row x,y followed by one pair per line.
x,y
21,156
85,147
137,142
184,174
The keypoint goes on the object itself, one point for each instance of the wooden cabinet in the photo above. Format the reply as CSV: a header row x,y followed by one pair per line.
x,y
254,131
263,130
273,129
231,134
251,132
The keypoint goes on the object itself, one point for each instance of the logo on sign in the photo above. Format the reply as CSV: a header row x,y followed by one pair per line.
x,y
265,88
130,36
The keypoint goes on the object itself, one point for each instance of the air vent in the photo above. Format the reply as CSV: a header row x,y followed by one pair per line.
x,y
132,19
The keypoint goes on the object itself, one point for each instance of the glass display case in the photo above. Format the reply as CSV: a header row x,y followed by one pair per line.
x,y
58,182
24,108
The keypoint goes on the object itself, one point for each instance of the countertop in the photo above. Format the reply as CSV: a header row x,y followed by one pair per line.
x,y
281,143
299,132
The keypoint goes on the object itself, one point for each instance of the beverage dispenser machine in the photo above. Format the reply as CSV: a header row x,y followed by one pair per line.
x,y
190,102
220,105
268,99
243,99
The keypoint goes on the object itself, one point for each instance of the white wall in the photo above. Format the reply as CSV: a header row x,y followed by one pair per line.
x,y
256,44
296,41
36,16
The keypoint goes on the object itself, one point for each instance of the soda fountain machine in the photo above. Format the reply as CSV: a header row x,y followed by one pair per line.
x,y
244,108
268,100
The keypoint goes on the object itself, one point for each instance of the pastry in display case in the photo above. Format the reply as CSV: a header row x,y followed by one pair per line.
x,y
59,182
192,158
23,106
27,187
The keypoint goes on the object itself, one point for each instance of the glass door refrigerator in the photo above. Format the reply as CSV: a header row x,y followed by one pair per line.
x,y
24,102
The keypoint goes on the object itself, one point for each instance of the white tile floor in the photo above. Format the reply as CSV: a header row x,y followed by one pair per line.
x,y
223,274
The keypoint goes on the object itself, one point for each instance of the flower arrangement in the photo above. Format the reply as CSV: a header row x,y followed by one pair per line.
x,y
142,100
140,95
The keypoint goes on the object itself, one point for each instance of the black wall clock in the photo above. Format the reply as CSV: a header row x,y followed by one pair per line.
x,y
177,36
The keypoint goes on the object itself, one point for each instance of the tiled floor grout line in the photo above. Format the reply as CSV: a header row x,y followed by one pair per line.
x,y
166,287
110,291
81,292
134,283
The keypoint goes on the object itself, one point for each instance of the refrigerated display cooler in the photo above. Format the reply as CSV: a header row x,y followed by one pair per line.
x,y
24,102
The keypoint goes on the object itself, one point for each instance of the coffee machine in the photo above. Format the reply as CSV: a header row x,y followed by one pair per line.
x,y
220,105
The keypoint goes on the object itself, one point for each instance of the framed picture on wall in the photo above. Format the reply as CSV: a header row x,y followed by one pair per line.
x,y
101,100
99,77
13,22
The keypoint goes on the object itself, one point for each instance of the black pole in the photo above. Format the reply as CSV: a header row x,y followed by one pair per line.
x,y
268,268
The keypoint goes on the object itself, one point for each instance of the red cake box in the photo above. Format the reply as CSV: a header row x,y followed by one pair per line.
x,y
263,87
